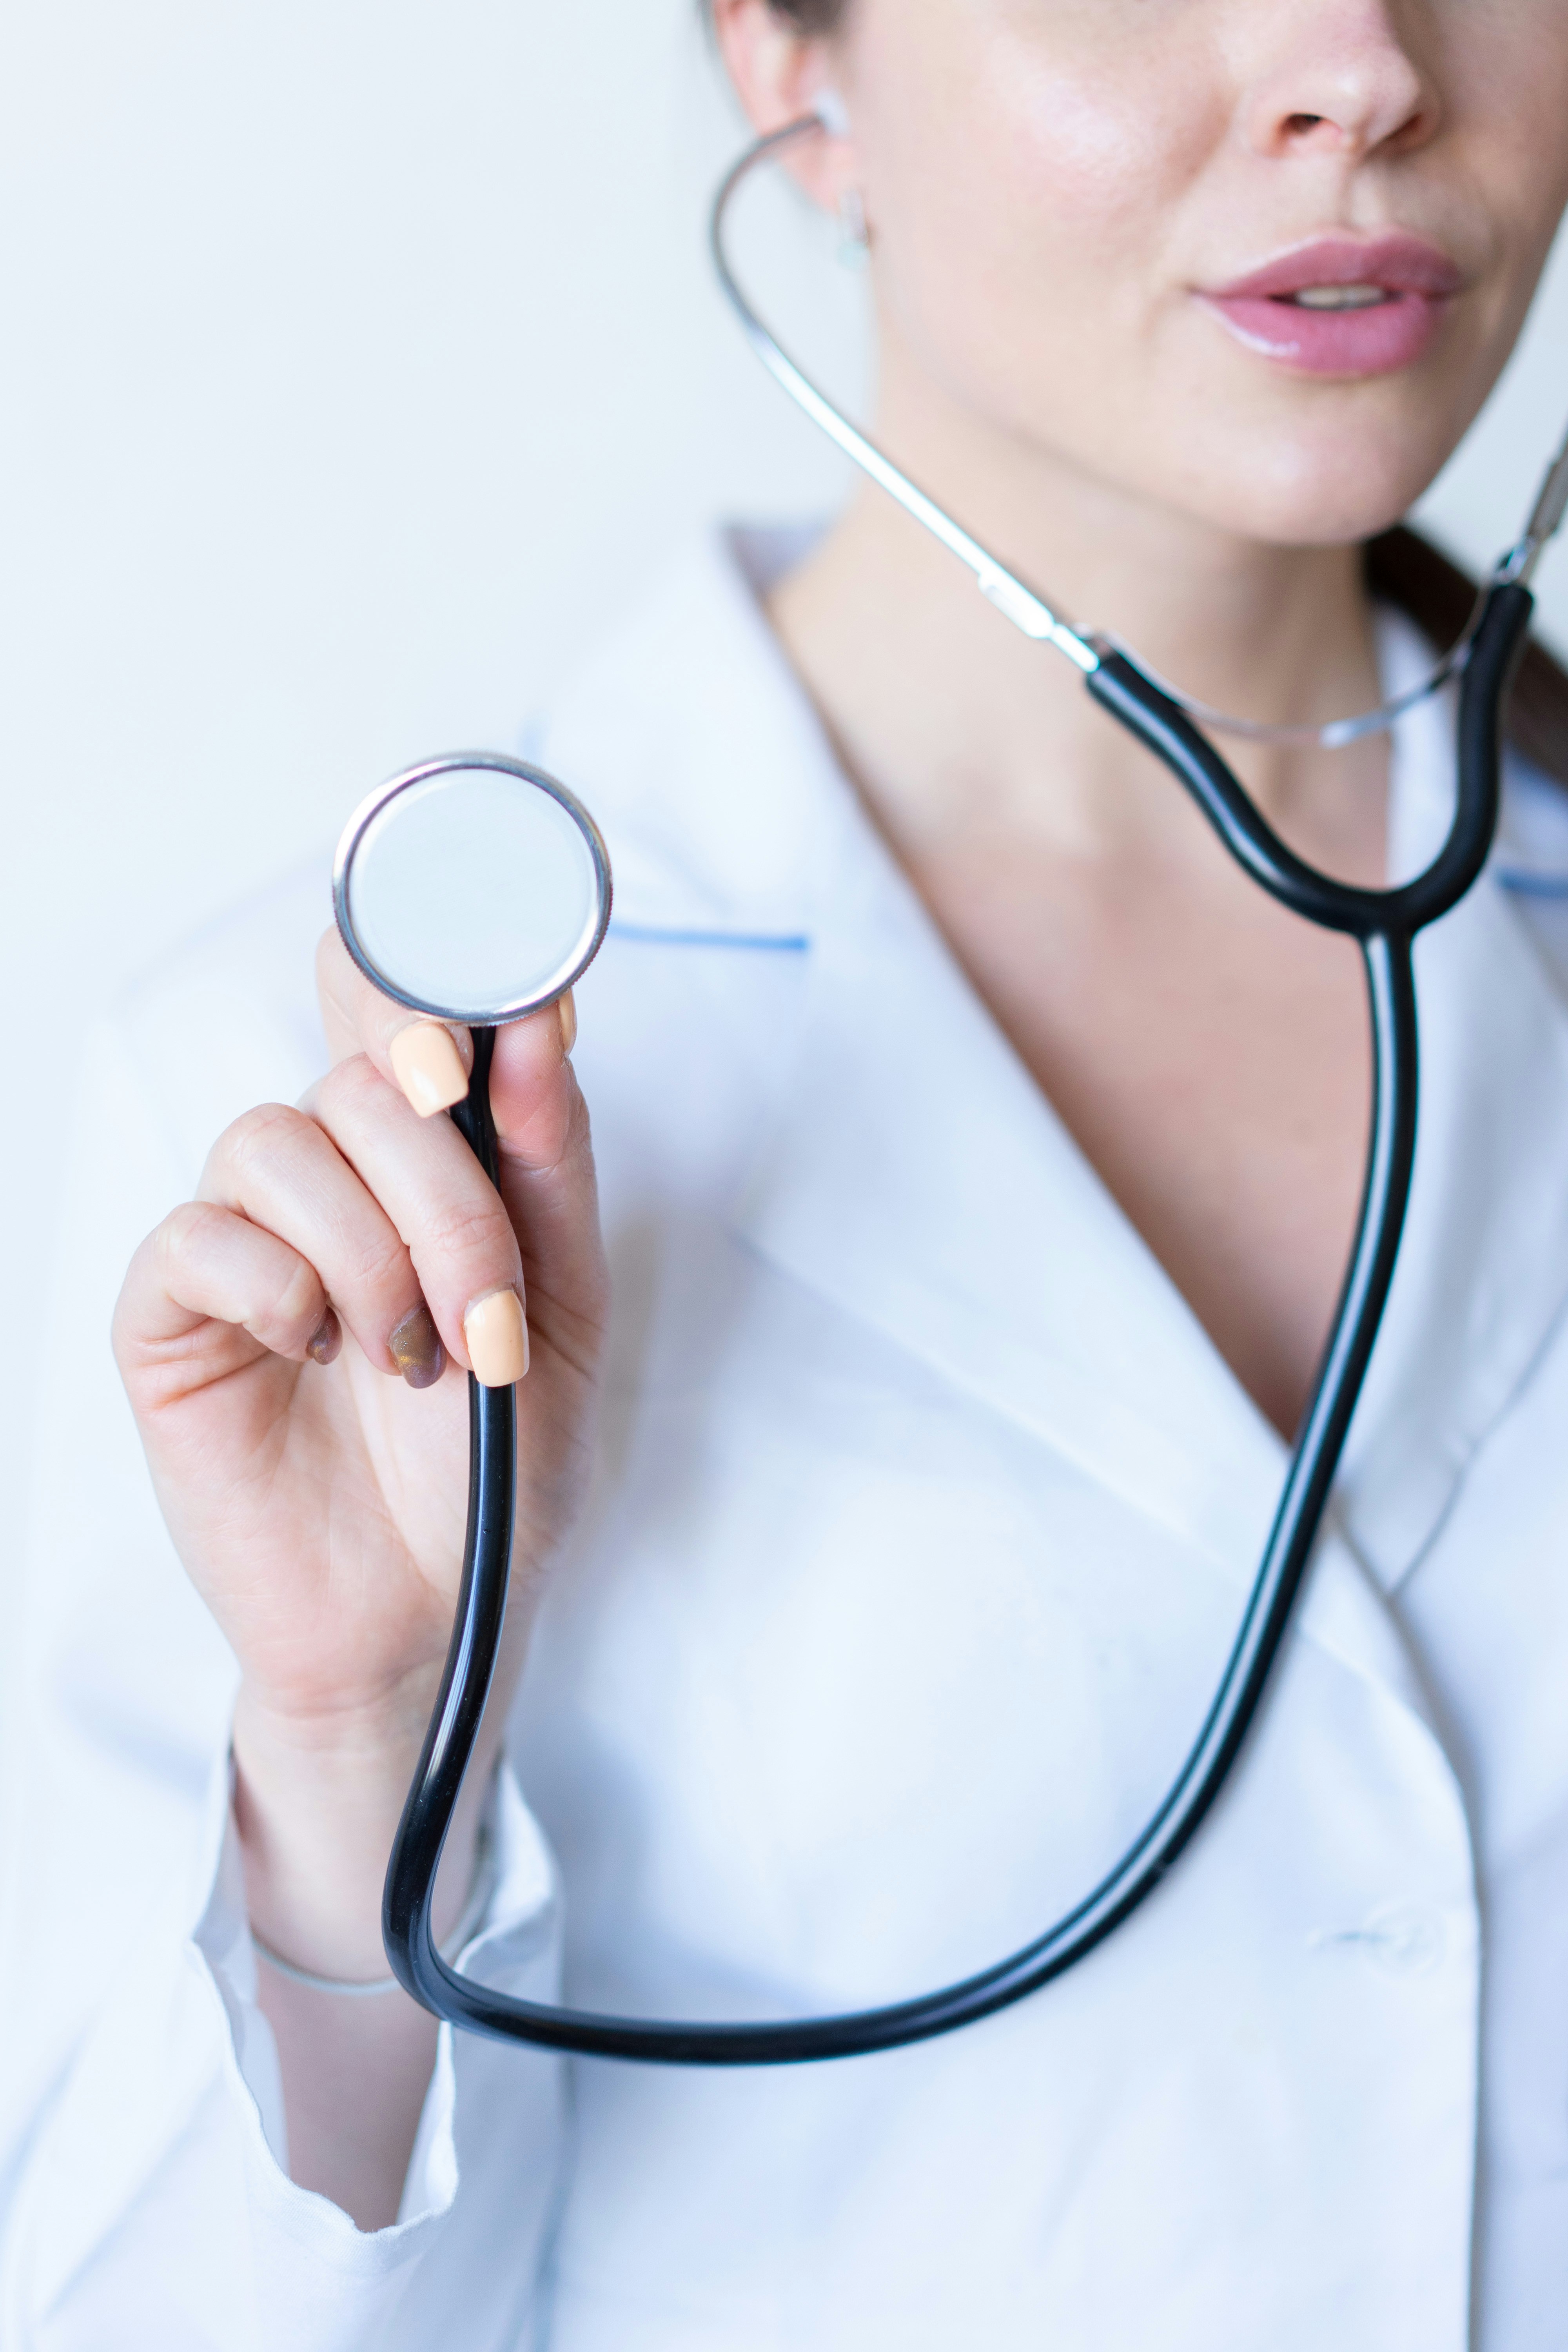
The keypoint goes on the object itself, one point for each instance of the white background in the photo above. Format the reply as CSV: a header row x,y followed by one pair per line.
x,y
357,358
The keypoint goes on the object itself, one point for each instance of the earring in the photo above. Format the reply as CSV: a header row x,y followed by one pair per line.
x,y
854,241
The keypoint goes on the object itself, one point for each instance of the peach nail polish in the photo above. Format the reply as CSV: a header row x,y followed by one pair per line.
x,y
568,1012
428,1067
497,1334
415,1348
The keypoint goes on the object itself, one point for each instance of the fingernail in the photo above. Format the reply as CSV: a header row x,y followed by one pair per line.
x,y
497,1334
417,1349
568,1012
327,1340
428,1067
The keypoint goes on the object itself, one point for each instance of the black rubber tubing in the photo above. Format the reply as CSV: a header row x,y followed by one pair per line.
x,y
1385,923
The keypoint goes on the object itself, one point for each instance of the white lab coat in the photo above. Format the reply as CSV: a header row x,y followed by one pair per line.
x,y
924,1514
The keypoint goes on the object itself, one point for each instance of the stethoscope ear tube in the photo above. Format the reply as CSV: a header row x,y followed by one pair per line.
x,y
1385,923
1146,710
1495,651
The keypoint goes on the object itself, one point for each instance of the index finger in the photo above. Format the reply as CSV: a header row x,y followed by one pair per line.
x,y
359,1018
430,1061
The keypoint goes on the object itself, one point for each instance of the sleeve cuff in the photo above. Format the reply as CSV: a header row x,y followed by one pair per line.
x,y
515,1949
512,1949
157,2182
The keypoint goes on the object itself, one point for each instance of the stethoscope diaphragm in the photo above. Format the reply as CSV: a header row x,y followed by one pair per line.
x,y
472,888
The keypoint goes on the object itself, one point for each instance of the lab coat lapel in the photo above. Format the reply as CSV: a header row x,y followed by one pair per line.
x,y
918,1180
915,1176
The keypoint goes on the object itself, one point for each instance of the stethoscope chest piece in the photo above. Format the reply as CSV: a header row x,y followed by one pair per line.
x,y
473,889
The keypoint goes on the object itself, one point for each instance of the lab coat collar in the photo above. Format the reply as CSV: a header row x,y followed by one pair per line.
x,y
918,1180
703,762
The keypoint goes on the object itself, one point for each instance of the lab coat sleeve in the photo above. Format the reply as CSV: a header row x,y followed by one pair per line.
x,y
144,2197
157,2185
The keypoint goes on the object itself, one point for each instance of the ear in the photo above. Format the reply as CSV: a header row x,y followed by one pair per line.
x,y
779,74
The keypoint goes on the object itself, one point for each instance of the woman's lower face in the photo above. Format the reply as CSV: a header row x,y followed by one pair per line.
x,y
1256,264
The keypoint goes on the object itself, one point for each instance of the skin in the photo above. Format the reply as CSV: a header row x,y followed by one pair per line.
x,y
1046,182
320,1509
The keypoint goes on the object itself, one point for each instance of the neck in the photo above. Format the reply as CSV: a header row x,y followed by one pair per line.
x,y
950,720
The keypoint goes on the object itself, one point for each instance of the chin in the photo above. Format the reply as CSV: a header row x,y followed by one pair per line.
x,y
1328,463
1331,489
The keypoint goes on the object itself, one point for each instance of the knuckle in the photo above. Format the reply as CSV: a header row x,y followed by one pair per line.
x,y
473,1233
558,1138
185,1232
349,1088
298,1306
258,1136
146,1267
380,1265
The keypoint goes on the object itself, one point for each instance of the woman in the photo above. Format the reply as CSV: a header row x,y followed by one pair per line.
x,y
979,1155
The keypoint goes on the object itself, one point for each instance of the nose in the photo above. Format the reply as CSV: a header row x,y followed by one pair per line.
x,y
1342,79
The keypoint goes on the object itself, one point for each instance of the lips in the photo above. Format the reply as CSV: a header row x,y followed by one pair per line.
x,y
1341,305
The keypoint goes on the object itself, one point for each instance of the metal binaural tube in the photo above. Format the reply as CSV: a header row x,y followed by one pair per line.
x,y
1013,596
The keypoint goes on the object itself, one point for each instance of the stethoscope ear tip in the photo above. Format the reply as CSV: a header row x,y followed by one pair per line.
x,y
831,112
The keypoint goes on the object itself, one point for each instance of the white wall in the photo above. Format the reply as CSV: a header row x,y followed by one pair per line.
x,y
357,358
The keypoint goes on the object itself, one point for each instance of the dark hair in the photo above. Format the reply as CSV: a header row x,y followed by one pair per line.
x,y
810,16
1407,571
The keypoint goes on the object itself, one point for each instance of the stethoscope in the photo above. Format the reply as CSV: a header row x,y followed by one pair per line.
x,y
476,889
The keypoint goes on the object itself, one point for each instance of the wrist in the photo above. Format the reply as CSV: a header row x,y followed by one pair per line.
x,y
316,1808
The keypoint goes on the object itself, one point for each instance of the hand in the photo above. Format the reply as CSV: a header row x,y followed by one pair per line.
x,y
288,1342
